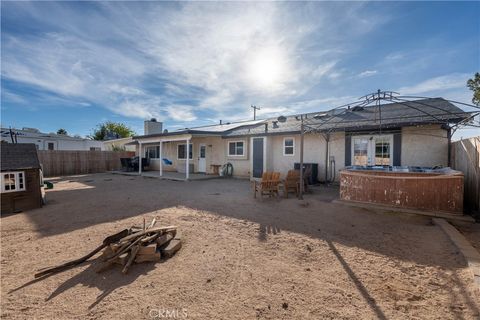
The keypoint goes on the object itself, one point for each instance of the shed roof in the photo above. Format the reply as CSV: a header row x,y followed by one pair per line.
x,y
19,156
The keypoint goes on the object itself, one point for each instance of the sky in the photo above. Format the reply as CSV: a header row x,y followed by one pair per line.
x,y
73,65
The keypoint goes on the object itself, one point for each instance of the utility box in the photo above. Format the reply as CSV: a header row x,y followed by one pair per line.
x,y
311,168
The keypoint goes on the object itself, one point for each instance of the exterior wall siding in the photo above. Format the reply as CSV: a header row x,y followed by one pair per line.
x,y
421,146
424,146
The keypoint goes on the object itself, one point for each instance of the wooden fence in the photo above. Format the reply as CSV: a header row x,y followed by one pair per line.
x,y
61,163
466,158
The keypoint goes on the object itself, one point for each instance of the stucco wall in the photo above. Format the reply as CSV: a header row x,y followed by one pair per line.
x,y
421,146
425,146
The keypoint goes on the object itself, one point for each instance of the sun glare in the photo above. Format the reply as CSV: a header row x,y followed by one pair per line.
x,y
266,68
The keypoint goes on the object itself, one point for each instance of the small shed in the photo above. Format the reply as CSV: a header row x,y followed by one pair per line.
x,y
20,178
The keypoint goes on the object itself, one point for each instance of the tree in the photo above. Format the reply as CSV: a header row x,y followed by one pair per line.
x,y
474,85
62,131
112,130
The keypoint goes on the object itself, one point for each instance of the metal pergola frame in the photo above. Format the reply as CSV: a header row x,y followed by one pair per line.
x,y
316,122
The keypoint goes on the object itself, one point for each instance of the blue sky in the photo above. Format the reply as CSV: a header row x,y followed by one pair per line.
x,y
73,65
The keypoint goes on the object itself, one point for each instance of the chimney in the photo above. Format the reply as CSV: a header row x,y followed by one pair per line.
x,y
220,121
152,126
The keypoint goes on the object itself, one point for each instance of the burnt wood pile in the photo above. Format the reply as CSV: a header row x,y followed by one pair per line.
x,y
134,245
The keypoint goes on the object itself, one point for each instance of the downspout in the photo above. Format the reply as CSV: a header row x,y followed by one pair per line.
x,y
449,137
326,136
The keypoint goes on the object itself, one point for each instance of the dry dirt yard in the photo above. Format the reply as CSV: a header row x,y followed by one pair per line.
x,y
241,258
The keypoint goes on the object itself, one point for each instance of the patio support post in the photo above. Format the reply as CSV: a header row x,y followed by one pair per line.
x,y
187,156
302,133
139,158
161,158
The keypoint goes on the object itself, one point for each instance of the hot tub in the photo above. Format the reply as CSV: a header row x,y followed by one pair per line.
x,y
407,187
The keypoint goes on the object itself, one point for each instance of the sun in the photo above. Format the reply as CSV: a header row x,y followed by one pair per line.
x,y
267,68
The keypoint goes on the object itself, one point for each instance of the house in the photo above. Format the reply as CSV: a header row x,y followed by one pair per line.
x,y
49,141
118,144
410,133
21,177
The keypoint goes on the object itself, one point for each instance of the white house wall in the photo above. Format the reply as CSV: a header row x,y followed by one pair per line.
x,y
60,144
424,146
421,146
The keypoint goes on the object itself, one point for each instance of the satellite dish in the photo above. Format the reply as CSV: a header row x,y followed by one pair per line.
x,y
282,119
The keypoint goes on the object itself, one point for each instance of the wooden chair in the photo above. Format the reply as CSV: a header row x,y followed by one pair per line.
x,y
269,184
292,183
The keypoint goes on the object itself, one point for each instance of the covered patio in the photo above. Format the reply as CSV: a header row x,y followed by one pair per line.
x,y
173,156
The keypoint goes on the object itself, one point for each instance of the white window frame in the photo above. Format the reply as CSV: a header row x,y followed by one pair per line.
x,y
17,181
243,149
190,151
371,147
293,146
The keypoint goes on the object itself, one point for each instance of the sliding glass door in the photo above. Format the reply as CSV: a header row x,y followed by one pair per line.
x,y
372,150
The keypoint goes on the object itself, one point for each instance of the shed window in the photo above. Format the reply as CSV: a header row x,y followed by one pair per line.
x,y
13,181
51,146
236,148
181,151
288,146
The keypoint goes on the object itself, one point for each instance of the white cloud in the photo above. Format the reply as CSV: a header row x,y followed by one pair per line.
x,y
181,113
436,84
367,73
219,56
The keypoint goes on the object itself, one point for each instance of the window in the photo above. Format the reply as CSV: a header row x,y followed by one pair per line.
x,y
181,151
288,146
152,152
374,150
360,151
95,149
13,181
236,148
51,146
382,151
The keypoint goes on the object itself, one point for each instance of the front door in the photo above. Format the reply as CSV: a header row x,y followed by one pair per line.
x,y
374,150
202,162
257,157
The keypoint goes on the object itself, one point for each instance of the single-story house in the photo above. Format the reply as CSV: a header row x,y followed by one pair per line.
x,y
21,177
412,133
49,141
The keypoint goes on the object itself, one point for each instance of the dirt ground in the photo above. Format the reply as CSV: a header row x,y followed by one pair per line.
x,y
241,259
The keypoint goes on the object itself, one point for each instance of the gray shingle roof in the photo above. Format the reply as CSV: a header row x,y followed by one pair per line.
x,y
425,111
19,156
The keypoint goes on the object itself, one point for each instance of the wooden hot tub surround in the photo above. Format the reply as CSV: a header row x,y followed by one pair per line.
x,y
436,191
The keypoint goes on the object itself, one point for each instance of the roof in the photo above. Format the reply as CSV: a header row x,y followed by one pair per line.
x,y
390,115
19,156
33,133
218,129
398,114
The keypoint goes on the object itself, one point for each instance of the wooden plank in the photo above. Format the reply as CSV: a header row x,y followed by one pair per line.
x,y
172,247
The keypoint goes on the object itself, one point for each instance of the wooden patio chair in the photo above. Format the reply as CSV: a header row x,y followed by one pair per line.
x,y
292,182
269,184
